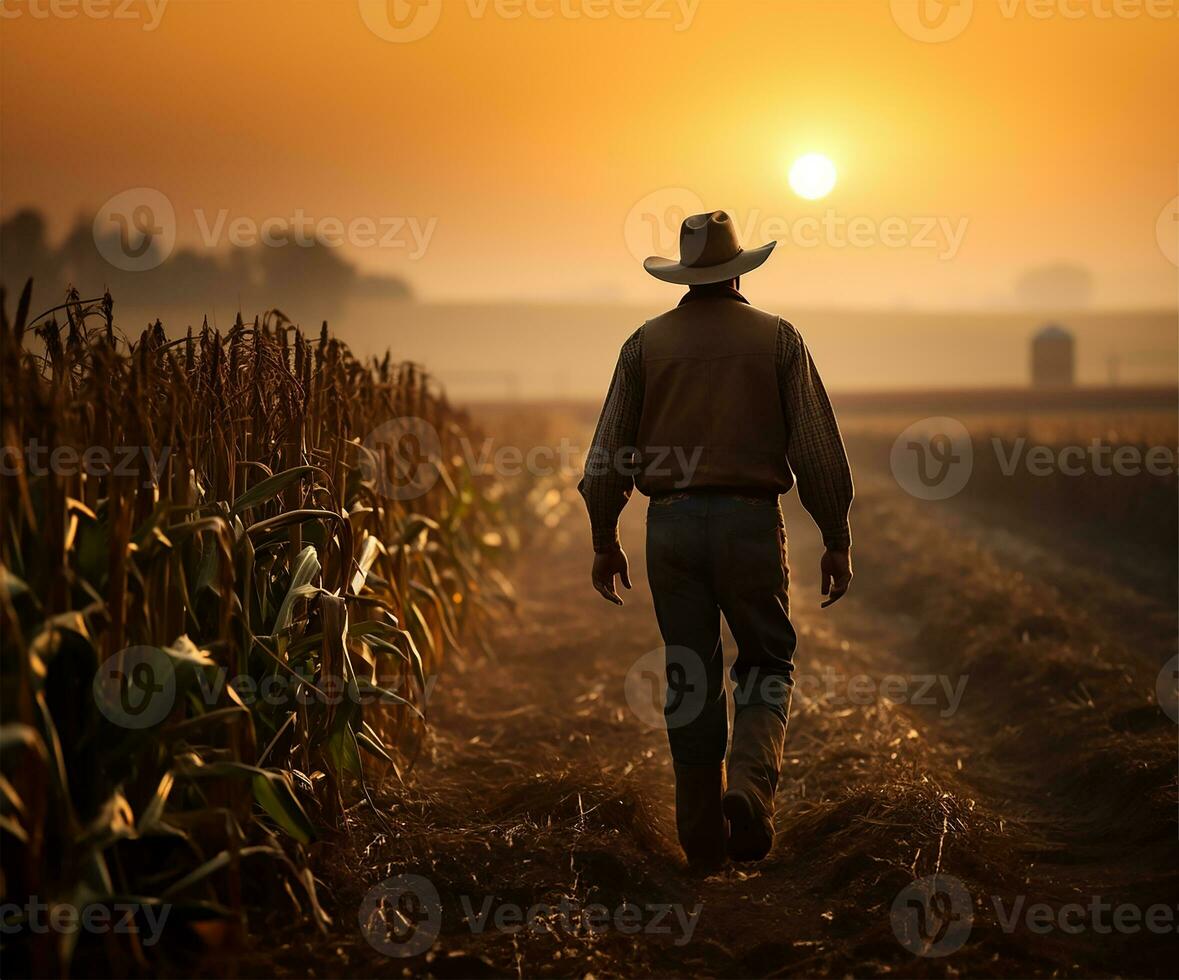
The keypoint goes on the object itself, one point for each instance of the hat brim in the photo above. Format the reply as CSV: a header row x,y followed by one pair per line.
x,y
671,270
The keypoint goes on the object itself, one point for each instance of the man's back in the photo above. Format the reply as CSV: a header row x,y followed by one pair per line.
x,y
717,394
711,402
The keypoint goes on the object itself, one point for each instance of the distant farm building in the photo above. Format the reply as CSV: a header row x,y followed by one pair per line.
x,y
1054,357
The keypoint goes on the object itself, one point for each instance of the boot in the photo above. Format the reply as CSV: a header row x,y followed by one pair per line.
x,y
698,818
759,735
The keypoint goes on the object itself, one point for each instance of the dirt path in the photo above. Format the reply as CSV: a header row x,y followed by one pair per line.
x,y
962,716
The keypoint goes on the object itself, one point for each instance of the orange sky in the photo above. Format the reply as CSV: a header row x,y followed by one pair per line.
x,y
523,143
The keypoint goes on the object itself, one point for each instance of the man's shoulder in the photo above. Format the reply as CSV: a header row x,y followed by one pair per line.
x,y
631,354
789,337
770,315
788,332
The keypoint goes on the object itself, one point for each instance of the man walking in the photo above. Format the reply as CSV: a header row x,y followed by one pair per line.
x,y
714,409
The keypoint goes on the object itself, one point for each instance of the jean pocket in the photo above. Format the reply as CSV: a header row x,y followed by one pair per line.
x,y
674,507
756,559
672,549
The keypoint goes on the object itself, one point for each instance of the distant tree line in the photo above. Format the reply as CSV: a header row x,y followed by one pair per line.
x,y
317,278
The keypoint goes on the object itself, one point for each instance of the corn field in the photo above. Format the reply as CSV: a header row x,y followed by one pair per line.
x,y
203,530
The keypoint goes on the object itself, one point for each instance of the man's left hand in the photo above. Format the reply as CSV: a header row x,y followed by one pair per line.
x,y
607,564
836,572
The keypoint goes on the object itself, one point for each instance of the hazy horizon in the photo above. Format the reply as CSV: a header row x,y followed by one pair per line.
x,y
413,185
960,159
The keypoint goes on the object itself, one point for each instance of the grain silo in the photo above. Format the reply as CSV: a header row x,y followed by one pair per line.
x,y
1053,357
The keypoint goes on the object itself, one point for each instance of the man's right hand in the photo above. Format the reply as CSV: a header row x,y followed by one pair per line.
x,y
607,564
836,572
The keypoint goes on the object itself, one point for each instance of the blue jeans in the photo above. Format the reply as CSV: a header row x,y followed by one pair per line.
x,y
708,554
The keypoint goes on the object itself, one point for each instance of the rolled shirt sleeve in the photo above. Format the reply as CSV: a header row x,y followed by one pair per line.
x,y
815,448
607,482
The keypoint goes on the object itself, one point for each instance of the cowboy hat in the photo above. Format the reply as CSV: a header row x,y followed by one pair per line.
x,y
709,252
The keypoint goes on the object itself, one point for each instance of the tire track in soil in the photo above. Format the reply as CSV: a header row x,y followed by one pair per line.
x,y
539,784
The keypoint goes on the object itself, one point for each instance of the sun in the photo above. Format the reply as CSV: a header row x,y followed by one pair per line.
x,y
812,176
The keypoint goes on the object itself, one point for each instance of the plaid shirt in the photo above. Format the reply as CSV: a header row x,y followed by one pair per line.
x,y
814,447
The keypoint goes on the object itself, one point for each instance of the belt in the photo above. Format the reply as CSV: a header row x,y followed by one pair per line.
x,y
752,493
